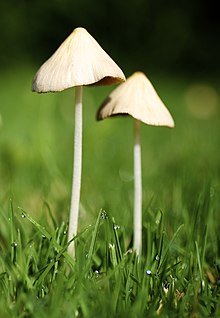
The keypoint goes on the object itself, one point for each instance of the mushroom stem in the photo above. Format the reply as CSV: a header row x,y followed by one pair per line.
x,y
137,190
77,170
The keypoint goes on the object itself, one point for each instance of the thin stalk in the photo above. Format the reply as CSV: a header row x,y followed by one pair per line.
x,y
77,170
137,190
13,246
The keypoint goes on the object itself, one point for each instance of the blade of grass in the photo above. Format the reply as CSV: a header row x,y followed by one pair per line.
x,y
12,226
169,245
45,271
94,237
117,243
200,266
43,231
52,218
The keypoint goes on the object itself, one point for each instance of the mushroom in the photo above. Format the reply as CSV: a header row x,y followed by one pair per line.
x,y
137,98
77,62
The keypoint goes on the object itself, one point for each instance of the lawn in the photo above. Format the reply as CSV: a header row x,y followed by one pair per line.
x,y
178,273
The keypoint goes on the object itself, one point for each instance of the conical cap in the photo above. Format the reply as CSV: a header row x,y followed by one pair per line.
x,y
137,98
79,60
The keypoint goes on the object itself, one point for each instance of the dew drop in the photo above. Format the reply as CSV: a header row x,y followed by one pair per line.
x,y
157,258
116,227
96,272
104,215
23,215
148,272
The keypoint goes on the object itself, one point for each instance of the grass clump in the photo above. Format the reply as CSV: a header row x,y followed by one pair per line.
x,y
177,276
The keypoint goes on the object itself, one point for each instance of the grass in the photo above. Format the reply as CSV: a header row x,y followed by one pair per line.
x,y
178,273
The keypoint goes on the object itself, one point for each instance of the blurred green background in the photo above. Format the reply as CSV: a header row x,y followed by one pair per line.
x,y
175,43
167,35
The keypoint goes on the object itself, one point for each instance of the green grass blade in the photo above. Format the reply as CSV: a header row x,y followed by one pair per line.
x,y
44,232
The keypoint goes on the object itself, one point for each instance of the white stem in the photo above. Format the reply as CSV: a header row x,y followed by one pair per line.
x,y
137,190
77,170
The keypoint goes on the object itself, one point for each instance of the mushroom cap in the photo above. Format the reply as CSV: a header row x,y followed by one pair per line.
x,y
79,60
137,98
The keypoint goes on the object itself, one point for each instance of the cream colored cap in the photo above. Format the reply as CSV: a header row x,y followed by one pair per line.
x,y
79,60
137,98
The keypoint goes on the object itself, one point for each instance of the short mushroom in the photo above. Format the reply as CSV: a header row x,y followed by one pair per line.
x,y
77,62
137,98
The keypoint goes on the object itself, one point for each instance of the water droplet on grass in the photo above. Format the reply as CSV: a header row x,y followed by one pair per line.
x,y
148,272
116,227
96,272
157,258
23,215
104,215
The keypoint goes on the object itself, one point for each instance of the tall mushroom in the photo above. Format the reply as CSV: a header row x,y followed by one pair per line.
x,y
77,62
137,98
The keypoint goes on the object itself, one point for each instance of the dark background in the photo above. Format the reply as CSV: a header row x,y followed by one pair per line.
x,y
169,36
